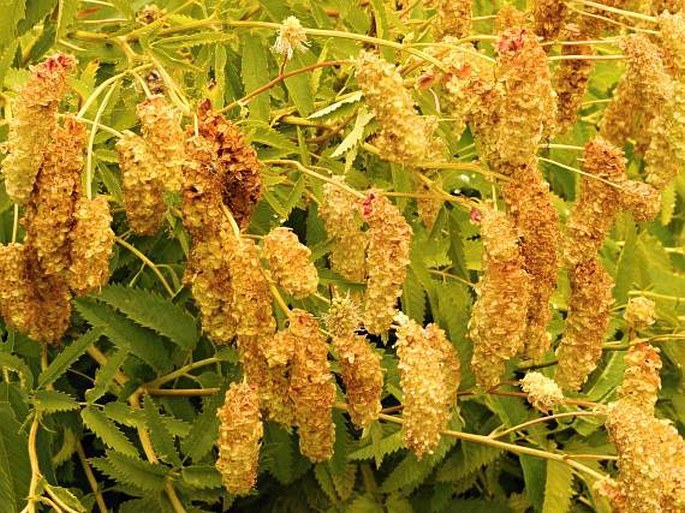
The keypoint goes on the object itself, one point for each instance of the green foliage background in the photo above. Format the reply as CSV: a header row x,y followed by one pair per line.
x,y
134,334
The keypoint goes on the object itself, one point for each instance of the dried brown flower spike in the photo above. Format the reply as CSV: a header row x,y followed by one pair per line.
x,y
498,318
49,214
142,184
404,137
429,376
387,260
161,128
34,119
290,263
340,215
549,18
641,381
92,242
640,313
453,18
589,311
240,436
312,389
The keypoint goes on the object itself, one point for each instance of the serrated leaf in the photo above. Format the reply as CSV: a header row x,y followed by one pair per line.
x,y
398,504
325,480
668,204
124,414
413,298
67,356
254,74
197,39
278,453
7,54
534,478
162,439
107,431
356,135
381,444
124,333
469,458
132,471
104,377
12,12
16,364
201,476
203,433
15,468
65,498
299,87
364,504
351,98
66,12
152,311
50,401
558,488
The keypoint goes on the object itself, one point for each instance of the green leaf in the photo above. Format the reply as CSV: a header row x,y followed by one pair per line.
x,y
410,472
162,439
125,334
12,12
349,98
456,250
364,504
255,74
278,452
36,10
16,364
64,497
104,377
132,471
413,298
50,401
534,471
107,431
199,38
627,267
201,476
356,135
398,504
382,440
558,488
152,311
469,458
668,204
7,54
66,12
15,468
69,355
299,87
204,431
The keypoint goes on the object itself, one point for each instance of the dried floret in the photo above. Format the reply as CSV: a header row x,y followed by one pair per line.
x,y
641,199
291,38
641,381
598,203
362,375
387,260
549,18
16,289
33,120
429,376
405,136
49,215
251,294
312,389
498,319
429,208
237,165
640,313
641,92
92,243
162,132
571,78
543,392
589,312
453,18
343,317
341,218
290,264
240,436
142,185
530,203
651,462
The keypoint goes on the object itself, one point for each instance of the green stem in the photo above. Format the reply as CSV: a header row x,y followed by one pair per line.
x,y
91,140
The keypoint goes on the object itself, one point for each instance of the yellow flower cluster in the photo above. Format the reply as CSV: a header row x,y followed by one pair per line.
x,y
651,462
142,185
536,220
340,215
387,260
641,381
343,317
240,436
589,311
405,137
33,122
571,77
162,132
640,313
453,18
543,392
289,261
237,166
429,376
549,16
362,375
498,318
595,209
640,94
48,218
92,242
312,389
